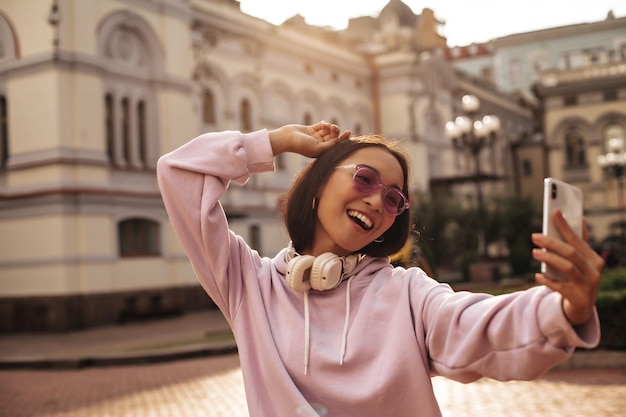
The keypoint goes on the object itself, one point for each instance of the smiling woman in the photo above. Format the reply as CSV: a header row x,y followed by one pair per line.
x,y
328,326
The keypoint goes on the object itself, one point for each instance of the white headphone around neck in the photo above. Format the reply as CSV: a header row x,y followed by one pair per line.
x,y
321,273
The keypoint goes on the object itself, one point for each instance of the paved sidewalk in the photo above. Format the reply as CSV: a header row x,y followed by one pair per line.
x,y
191,335
195,334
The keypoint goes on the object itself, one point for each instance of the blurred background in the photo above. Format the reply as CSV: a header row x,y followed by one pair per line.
x,y
92,92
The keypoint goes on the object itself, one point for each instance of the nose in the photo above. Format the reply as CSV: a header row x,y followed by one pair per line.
x,y
375,200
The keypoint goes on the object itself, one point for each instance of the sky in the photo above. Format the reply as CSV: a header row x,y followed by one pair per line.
x,y
466,21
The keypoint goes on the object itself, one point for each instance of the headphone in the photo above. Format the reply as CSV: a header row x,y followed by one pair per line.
x,y
321,273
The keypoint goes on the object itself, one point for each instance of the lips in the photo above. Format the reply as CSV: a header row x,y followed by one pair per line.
x,y
361,219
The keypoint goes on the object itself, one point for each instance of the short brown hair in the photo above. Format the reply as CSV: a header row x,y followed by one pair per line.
x,y
300,217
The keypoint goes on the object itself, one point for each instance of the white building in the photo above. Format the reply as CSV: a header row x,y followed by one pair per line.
x,y
92,92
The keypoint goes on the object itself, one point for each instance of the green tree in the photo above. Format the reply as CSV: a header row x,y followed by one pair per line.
x,y
446,231
518,218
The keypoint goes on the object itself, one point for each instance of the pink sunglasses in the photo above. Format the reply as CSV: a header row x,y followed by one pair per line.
x,y
367,182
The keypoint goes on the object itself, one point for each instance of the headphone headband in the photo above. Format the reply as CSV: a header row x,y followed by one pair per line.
x,y
320,273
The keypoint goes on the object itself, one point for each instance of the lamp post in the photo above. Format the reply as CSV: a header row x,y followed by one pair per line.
x,y
614,164
472,134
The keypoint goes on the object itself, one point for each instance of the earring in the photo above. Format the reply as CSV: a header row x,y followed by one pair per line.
x,y
379,239
314,204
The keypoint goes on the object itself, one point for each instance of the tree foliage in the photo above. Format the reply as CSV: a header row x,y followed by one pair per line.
x,y
447,230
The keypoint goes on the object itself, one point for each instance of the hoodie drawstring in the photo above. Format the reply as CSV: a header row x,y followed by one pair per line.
x,y
307,328
307,332
344,336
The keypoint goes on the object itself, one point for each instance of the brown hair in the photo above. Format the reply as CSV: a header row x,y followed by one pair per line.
x,y
300,217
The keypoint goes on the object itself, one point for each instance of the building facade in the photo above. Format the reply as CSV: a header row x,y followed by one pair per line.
x,y
516,62
575,75
583,109
93,92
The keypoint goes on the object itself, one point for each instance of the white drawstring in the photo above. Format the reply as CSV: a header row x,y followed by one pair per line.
x,y
307,332
344,336
307,328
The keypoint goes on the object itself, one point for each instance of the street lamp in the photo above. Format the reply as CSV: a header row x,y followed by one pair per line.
x,y
471,134
614,164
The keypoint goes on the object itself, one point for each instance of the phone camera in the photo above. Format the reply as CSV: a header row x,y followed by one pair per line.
x,y
553,190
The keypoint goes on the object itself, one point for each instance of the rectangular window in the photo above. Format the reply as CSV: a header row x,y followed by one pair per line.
x,y
125,122
208,108
255,237
138,237
246,115
610,95
4,133
527,167
109,123
570,100
141,133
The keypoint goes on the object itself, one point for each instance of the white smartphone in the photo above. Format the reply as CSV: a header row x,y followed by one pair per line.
x,y
559,195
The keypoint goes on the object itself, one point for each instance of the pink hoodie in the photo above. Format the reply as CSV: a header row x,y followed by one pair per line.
x,y
370,345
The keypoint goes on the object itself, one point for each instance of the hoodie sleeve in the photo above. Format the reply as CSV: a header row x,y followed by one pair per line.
x,y
192,178
513,336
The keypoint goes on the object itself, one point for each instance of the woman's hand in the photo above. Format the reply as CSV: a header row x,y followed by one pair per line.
x,y
309,141
580,263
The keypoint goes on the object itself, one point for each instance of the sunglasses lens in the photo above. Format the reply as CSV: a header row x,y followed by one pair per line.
x,y
367,181
393,202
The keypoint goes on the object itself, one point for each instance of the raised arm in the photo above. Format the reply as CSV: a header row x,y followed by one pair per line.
x,y
192,179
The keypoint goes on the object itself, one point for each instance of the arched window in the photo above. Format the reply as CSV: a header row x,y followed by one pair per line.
x,y
4,133
138,237
208,108
133,51
575,152
245,109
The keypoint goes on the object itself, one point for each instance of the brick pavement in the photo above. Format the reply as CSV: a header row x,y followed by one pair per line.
x,y
213,387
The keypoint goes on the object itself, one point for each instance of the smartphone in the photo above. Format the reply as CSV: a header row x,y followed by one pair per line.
x,y
559,195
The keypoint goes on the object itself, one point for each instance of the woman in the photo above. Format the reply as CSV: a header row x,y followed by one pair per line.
x,y
328,326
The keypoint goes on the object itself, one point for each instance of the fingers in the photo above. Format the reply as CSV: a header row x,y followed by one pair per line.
x,y
575,258
572,254
329,131
581,265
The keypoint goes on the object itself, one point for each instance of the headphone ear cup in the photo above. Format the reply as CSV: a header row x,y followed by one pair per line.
x,y
326,272
299,271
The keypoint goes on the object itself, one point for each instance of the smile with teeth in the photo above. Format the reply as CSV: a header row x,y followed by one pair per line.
x,y
363,221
